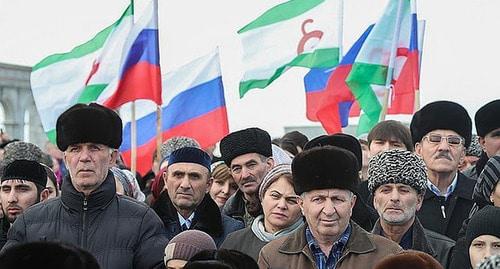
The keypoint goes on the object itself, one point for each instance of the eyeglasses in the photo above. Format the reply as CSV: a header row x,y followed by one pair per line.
x,y
452,140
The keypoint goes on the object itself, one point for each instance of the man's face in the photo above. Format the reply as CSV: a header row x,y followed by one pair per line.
x,y
248,170
491,143
396,204
441,157
379,145
187,184
328,211
16,196
88,165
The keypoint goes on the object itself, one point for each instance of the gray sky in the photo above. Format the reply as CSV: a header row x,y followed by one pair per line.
x,y
460,55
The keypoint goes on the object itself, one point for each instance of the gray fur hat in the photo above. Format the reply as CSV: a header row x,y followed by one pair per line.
x,y
474,149
22,151
174,144
397,166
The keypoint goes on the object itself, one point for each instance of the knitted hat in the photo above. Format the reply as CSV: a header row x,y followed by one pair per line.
x,y
492,262
25,170
174,144
487,181
444,115
186,244
487,119
397,166
273,175
475,148
484,222
340,140
190,155
22,151
324,168
251,140
409,259
91,123
220,171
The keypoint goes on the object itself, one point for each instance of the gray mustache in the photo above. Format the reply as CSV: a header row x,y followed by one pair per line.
x,y
443,155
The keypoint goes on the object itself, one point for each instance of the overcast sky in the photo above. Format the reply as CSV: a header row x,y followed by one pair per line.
x,y
460,55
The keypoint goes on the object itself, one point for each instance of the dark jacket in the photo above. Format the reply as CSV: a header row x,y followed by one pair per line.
x,y
4,228
235,208
362,251
456,208
207,218
119,231
244,241
437,245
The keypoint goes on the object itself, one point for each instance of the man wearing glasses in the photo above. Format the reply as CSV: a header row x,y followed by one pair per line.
x,y
441,132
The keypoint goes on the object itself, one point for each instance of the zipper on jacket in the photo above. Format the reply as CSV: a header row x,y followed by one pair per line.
x,y
83,236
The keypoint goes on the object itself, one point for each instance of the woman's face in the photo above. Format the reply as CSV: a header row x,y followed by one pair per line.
x,y
280,206
52,189
482,247
222,189
495,195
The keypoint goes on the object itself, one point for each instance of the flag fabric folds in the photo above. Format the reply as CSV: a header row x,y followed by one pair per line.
x,y
295,33
62,80
194,106
372,70
140,75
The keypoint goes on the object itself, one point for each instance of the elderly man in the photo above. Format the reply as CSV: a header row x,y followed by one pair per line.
x,y
189,205
248,154
325,178
23,185
441,132
488,129
398,181
120,232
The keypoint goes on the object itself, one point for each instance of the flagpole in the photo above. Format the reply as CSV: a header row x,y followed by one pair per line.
x,y
420,36
133,138
341,28
392,59
159,140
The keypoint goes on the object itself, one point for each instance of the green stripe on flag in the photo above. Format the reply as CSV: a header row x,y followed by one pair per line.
x,y
281,12
52,136
320,58
91,92
368,73
88,47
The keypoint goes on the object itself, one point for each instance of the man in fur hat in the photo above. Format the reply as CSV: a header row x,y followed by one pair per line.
x,y
441,132
23,185
325,178
118,231
398,180
248,154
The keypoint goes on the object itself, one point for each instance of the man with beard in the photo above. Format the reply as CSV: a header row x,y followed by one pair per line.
x,y
441,131
23,185
248,154
398,180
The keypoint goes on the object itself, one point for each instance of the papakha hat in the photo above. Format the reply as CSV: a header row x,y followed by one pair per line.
x,y
251,140
487,118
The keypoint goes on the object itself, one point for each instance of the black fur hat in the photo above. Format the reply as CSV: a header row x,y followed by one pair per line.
x,y
340,140
25,170
444,115
91,123
324,168
487,118
251,140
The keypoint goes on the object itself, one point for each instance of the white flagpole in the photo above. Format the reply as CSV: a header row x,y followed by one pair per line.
x,y
341,29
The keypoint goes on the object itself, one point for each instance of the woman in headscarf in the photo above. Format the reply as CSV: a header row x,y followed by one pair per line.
x,y
281,215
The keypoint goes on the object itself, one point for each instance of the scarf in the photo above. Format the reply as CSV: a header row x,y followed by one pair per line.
x,y
259,230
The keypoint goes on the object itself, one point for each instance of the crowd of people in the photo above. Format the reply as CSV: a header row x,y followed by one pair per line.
x,y
426,196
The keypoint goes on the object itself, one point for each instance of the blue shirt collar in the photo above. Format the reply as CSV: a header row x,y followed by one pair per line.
x,y
322,261
449,190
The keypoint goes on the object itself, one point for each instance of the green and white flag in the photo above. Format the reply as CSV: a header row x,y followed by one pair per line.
x,y
81,75
295,33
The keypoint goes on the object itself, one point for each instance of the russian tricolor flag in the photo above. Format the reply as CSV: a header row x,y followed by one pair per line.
x,y
140,75
328,98
194,106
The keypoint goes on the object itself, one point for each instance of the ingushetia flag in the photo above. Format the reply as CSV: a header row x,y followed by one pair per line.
x,y
295,33
371,71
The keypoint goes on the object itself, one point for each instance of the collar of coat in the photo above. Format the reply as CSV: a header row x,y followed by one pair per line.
x,y
419,239
98,199
207,215
359,242
463,190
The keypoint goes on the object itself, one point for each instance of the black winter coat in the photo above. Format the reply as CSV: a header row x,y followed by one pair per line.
x,y
456,208
119,231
